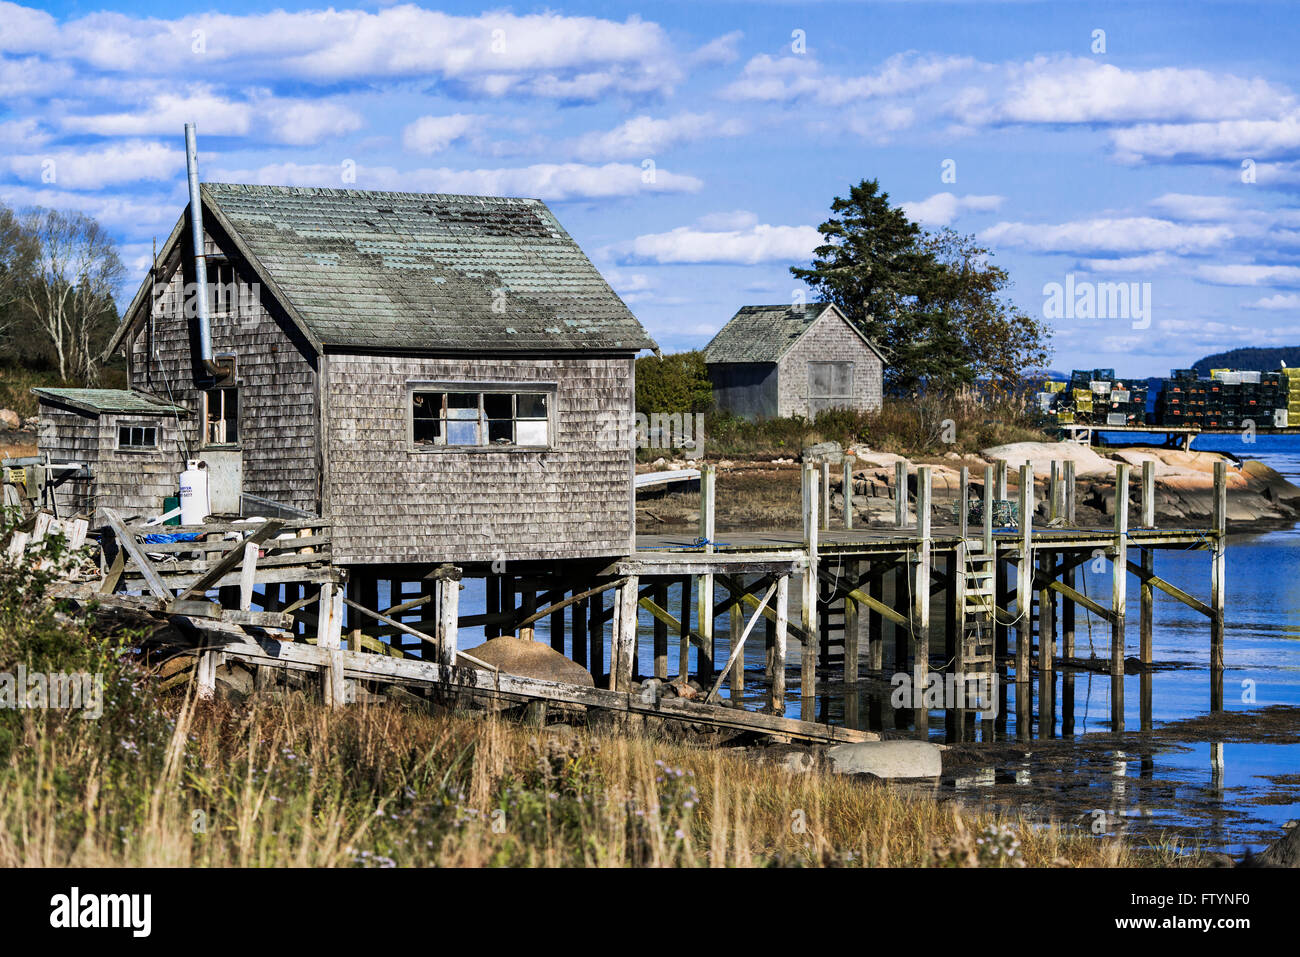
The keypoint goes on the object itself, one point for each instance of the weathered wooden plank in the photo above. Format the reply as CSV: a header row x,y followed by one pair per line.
x,y
126,541
231,559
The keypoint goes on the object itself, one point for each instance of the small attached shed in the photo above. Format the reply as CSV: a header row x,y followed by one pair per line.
x,y
787,360
126,446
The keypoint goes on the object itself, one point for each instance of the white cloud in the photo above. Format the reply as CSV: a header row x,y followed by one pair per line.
x,y
725,221
1186,207
114,212
1132,234
296,122
1276,302
495,53
1250,275
783,79
644,136
759,243
1129,264
433,134
128,162
1078,90
942,209
1229,140
548,181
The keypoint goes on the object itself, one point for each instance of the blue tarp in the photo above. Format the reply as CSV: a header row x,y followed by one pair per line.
x,y
174,537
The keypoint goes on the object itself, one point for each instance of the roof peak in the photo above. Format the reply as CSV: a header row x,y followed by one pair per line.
x,y
254,188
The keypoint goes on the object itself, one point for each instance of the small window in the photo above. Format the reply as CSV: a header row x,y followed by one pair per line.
x,y
137,437
225,292
487,419
221,416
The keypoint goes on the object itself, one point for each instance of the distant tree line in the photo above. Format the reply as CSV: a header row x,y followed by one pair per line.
x,y
1250,358
58,273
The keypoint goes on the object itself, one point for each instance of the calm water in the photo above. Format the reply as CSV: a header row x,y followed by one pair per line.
x,y
1207,785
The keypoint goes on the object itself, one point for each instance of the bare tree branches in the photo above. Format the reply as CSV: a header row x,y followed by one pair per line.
x,y
76,269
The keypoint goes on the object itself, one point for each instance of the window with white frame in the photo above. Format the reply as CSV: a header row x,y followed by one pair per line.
x,y
137,437
478,416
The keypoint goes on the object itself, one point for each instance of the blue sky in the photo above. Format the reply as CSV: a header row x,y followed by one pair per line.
x,y
692,148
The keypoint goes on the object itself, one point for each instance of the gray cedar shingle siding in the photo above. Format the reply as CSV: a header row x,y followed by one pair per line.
x,y
134,482
759,361
276,377
830,339
391,504
361,292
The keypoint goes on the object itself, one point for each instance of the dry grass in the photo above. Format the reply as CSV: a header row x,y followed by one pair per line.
x,y
288,783
156,780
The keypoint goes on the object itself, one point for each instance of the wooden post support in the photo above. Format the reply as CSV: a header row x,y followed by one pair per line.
x,y
900,493
921,589
1218,583
329,637
808,599
684,631
596,634
1054,492
205,674
826,495
624,646
704,658
848,491
447,592
736,623
852,623
661,631
963,503
1070,492
876,621
1046,641
1146,591
1024,579
1001,482
988,510
1119,596
248,575
776,702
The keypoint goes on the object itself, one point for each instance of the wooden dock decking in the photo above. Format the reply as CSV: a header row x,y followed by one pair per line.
x,y
1008,609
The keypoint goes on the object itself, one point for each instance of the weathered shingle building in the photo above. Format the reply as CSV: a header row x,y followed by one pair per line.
x,y
433,373
787,360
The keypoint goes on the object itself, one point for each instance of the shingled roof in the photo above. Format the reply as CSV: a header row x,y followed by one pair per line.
x,y
98,401
766,333
423,271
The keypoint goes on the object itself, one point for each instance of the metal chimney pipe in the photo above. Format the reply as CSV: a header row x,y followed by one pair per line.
x,y
200,260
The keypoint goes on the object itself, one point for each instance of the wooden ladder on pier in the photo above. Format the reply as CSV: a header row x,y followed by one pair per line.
x,y
976,651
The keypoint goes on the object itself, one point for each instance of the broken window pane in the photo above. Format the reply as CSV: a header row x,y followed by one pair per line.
x,y
489,418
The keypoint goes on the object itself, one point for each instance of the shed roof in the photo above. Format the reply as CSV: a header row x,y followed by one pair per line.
x,y
422,271
98,401
766,333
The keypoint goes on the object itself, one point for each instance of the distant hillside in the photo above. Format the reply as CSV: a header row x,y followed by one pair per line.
x,y
1264,360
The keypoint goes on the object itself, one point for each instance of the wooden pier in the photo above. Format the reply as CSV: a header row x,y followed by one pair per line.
x,y
918,599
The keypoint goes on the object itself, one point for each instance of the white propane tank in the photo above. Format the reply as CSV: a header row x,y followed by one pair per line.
x,y
194,494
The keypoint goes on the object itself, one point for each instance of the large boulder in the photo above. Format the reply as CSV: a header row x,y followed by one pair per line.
x,y
888,759
1284,852
1041,455
10,419
528,659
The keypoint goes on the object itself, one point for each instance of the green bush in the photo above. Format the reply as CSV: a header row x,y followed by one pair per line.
x,y
675,384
